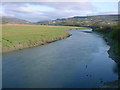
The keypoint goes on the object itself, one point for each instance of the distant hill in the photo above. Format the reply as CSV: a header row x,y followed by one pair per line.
x,y
13,20
73,21
84,21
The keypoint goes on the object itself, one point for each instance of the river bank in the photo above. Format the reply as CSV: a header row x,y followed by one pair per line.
x,y
110,42
31,44
116,57
17,37
111,35
111,50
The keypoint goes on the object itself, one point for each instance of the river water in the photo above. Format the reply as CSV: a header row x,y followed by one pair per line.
x,y
79,61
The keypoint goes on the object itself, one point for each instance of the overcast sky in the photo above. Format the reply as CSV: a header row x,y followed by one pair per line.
x,y
41,11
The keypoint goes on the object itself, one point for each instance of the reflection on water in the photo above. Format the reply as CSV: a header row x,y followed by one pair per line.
x,y
80,61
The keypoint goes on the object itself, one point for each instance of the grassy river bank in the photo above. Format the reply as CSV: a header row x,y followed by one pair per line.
x,y
17,37
111,34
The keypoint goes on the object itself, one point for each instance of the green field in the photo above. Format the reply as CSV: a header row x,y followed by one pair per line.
x,y
16,37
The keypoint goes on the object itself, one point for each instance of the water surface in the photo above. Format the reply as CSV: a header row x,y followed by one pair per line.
x,y
80,61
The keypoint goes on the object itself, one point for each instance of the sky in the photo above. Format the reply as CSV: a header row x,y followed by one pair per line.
x,y
41,11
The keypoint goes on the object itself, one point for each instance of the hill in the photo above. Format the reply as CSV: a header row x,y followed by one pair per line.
x,y
83,21
13,20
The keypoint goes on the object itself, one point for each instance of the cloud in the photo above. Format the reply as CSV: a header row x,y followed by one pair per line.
x,y
48,10
68,5
26,9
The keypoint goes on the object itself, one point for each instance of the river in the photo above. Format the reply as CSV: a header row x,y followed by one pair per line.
x,y
79,61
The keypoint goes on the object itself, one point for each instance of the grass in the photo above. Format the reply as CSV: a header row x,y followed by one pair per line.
x,y
16,37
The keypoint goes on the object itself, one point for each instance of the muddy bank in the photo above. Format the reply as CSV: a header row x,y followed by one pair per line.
x,y
111,51
31,44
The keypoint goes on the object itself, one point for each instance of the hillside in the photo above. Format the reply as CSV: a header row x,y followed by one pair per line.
x,y
13,20
84,21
